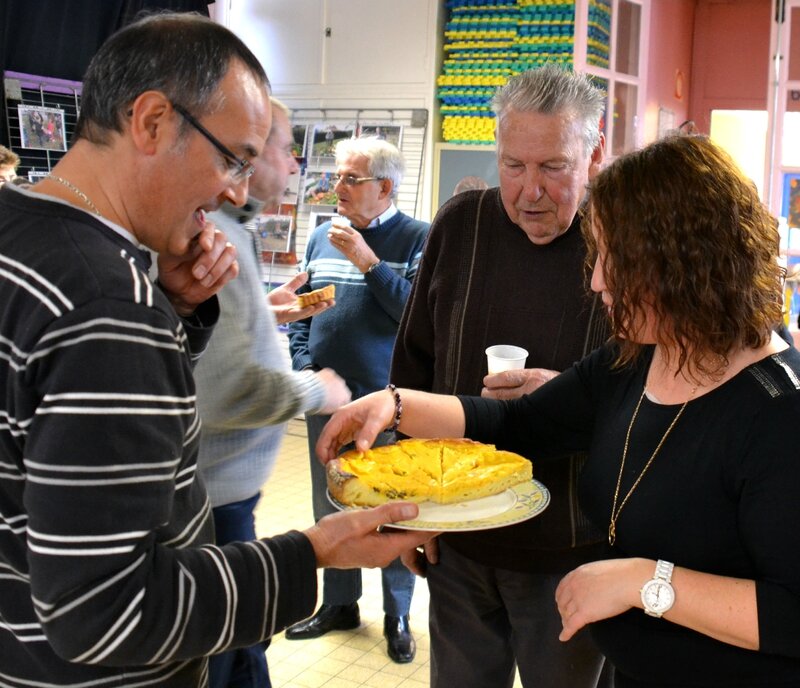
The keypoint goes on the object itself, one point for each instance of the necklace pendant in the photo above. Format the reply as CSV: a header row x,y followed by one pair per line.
x,y
612,533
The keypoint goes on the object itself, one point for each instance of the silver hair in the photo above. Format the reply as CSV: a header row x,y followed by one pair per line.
x,y
283,107
383,159
278,105
553,90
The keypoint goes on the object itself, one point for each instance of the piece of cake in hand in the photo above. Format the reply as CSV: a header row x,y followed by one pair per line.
x,y
309,298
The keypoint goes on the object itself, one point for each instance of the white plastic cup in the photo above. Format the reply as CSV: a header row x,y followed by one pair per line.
x,y
502,357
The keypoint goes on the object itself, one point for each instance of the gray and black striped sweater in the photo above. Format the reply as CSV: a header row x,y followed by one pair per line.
x,y
107,577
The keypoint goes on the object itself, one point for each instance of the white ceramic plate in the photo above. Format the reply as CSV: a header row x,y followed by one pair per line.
x,y
516,504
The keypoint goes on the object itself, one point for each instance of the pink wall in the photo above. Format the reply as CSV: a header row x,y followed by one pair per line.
x,y
730,65
669,68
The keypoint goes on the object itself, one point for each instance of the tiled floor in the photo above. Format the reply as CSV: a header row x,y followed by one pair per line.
x,y
342,659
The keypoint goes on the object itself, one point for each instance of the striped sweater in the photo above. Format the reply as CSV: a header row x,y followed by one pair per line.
x,y
107,577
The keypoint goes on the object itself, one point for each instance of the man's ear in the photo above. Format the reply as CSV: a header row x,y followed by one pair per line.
x,y
386,187
152,121
596,159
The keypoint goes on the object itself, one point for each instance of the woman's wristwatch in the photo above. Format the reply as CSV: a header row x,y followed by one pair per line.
x,y
658,595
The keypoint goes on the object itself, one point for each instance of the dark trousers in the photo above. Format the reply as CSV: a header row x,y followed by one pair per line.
x,y
244,667
485,621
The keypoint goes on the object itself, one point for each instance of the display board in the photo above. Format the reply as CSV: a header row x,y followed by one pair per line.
x,y
314,200
40,114
456,163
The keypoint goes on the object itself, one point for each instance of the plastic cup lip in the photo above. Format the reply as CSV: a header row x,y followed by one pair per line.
x,y
507,351
502,357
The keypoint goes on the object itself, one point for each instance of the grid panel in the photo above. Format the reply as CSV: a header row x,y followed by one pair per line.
x,y
38,91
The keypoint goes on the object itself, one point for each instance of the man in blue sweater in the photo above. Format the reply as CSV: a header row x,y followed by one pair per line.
x,y
372,258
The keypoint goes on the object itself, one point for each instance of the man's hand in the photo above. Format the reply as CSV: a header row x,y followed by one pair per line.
x,y
350,242
511,384
208,265
337,393
283,301
352,539
417,560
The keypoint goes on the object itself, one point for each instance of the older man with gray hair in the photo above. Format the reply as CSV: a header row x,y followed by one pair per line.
x,y
506,266
371,255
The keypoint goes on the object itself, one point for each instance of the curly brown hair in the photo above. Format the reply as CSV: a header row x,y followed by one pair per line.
x,y
8,157
686,233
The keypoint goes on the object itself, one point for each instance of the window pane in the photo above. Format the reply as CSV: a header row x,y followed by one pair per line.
x,y
624,124
790,147
628,26
743,134
794,45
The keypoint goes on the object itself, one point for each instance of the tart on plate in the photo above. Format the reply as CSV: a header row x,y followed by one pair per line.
x,y
442,471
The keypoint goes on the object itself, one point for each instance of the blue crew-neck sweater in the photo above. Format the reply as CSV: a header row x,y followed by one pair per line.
x,y
356,337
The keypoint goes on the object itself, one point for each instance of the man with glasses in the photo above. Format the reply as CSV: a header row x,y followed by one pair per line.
x,y
246,390
372,258
108,572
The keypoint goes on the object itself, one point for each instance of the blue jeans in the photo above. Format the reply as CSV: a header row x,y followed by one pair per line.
x,y
340,586
244,667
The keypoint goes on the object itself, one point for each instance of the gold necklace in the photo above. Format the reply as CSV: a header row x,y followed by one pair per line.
x,y
76,191
612,525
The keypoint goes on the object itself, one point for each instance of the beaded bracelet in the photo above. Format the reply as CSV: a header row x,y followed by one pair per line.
x,y
398,407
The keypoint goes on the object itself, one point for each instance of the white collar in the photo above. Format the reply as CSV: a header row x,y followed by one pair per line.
x,y
384,217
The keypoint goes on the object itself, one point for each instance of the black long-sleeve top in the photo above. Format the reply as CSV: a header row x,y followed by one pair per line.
x,y
721,497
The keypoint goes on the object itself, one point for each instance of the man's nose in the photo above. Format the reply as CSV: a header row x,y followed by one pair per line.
x,y
236,193
532,187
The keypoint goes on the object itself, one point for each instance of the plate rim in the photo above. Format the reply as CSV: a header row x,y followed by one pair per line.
x,y
469,525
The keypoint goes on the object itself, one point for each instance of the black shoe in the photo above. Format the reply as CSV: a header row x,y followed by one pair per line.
x,y
400,643
329,617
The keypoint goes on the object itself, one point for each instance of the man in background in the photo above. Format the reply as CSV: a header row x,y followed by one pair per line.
x,y
372,261
506,266
246,390
108,574
9,161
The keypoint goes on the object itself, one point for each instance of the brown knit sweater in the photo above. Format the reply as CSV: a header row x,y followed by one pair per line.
x,y
485,283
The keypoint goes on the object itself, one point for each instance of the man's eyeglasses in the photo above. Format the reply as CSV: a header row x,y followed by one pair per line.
x,y
238,169
350,180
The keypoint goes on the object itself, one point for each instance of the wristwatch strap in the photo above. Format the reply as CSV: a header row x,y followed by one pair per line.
x,y
664,570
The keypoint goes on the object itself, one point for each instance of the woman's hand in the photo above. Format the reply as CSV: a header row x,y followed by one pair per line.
x,y
360,421
600,590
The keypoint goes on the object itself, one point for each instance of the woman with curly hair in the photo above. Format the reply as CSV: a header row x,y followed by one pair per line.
x,y
685,415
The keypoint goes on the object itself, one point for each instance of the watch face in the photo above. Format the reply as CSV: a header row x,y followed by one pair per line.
x,y
657,596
